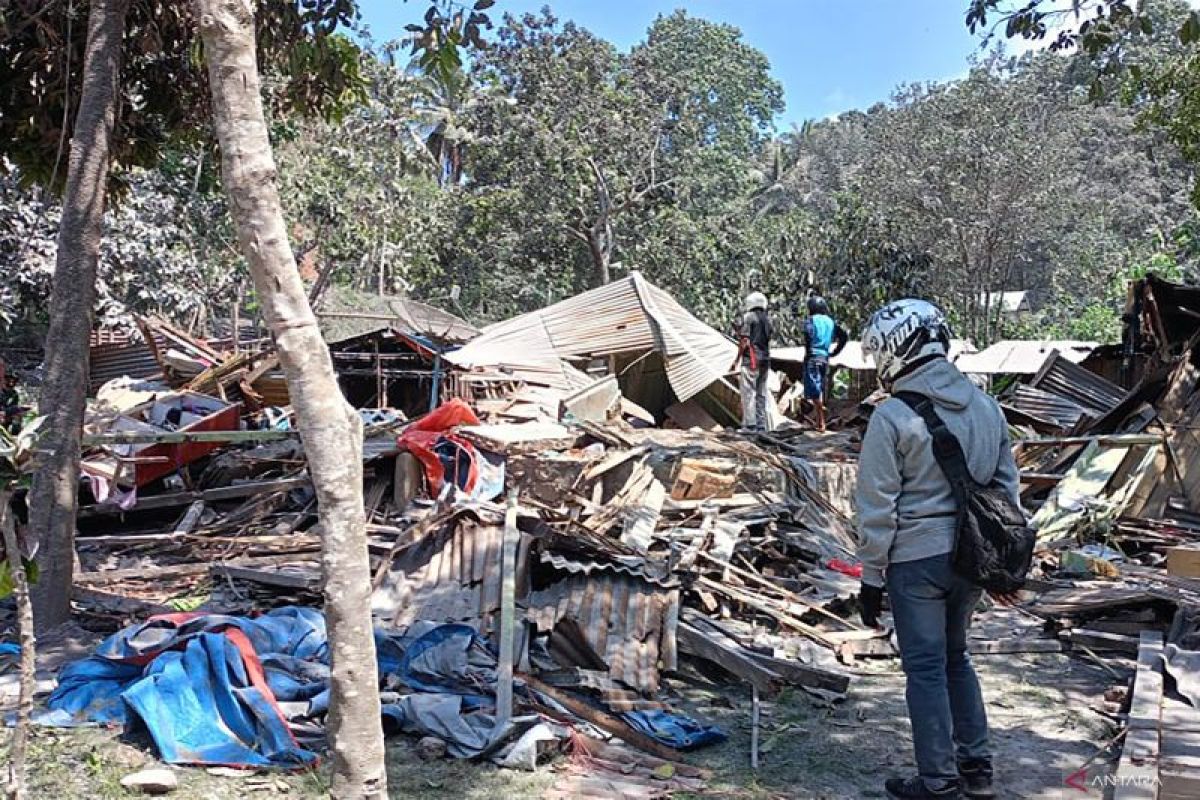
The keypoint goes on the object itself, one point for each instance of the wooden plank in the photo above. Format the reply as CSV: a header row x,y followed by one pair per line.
x,y
108,577
190,518
1145,709
727,655
1136,777
508,593
1183,562
793,672
1104,642
788,597
231,492
605,721
769,609
612,461
1115,440
285,579
183,437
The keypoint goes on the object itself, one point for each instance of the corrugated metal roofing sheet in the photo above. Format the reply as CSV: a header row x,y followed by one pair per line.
x,y
451,575
628,315
627,621
853,358
1083,387
1044,407
1022,356
115,352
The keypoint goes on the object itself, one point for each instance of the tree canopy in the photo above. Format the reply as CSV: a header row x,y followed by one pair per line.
x,y
550,160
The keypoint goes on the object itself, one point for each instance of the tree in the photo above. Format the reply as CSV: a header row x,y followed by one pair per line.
x,y
330,429
55,492
586,144
16,573
157,91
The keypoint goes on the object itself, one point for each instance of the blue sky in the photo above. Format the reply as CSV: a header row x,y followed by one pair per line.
x,y
830,55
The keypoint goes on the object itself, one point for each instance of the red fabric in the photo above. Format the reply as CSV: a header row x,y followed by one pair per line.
x,y
448,415
422,436
254,671
846,568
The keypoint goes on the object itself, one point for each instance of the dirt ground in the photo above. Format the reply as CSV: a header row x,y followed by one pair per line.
x,y
1043,710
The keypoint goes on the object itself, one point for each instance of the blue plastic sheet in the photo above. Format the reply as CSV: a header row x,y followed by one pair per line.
x,y
675,730
205,686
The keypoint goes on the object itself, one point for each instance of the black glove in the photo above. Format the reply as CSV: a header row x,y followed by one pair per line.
x,y
871,600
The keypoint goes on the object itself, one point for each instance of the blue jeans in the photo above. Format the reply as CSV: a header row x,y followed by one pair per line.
x,y
931,608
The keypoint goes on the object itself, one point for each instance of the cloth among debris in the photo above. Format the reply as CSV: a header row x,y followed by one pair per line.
x,y
445,457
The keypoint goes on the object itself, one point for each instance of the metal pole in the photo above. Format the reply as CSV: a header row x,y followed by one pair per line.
x,y
508,594
754,716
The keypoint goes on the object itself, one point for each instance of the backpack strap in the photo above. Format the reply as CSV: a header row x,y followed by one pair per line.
x,y
947,450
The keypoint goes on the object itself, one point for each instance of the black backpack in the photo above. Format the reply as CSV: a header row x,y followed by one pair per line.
x,y
993,545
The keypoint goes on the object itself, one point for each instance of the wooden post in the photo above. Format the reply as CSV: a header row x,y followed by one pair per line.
x,y
379,399
508,594
237,320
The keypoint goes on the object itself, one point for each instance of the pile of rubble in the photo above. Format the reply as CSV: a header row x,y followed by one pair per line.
x,y
566,485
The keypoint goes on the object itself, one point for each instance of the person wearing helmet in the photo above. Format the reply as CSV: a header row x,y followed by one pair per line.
x,y
823,339
754,355
907,523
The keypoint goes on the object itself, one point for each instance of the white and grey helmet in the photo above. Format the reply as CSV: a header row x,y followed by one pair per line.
x,y
902,333
756,300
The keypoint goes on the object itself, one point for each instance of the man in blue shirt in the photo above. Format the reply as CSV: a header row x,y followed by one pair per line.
x,y
823,339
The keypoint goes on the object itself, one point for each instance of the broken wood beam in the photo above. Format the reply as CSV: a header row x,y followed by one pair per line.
x,y
730,657
310,580
231,492
767,608
107,577
605,721
790,597
183,437
1137,771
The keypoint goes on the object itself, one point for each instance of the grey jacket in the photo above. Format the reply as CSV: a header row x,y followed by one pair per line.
x,y
905,508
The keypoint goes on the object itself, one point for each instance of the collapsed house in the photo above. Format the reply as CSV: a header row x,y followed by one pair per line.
x,y
638,540
665,360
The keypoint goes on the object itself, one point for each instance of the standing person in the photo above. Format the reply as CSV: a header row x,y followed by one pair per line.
x,y
823,339
907,527
754,352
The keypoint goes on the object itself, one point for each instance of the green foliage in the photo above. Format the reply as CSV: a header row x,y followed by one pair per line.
x,y
163,80
17,455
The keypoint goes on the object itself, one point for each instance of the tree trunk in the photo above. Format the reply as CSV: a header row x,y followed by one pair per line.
x,y
17,789
330,430
600,254
54,496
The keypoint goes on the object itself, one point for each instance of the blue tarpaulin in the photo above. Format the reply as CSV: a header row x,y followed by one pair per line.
x,y
207,688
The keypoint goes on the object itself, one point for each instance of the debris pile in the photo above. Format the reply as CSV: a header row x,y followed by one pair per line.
x,y
560,520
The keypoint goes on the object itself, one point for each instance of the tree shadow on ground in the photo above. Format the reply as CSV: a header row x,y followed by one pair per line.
x,y
1042,712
